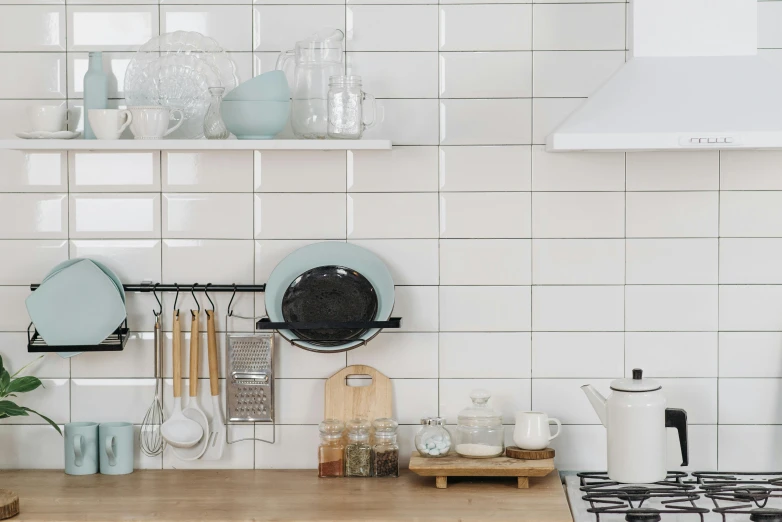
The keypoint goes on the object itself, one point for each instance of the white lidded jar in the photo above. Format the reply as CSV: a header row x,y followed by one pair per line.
x,y
635,416
479,432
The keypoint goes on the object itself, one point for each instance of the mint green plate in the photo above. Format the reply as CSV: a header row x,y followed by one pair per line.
x,y
106,270
78,305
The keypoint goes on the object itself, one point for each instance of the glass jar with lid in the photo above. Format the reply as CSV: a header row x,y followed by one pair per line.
x,y
479,432
385,451
433,439
331,451
358,452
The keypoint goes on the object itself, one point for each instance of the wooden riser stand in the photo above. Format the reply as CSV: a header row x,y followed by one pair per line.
x,y
457,466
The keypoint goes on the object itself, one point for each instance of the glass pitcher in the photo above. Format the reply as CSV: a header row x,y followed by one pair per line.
x,y
316,59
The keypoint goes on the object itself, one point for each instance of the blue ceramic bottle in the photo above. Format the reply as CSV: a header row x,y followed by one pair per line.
x,y
96,90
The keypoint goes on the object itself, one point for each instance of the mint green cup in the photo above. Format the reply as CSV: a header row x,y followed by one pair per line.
x,y
115,441
81,448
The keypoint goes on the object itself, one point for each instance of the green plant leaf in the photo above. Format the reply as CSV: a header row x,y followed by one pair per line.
x,y
44,417
5,380
11,409
1,364
23,385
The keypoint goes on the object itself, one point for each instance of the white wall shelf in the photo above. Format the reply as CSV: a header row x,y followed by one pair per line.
x,y
192,145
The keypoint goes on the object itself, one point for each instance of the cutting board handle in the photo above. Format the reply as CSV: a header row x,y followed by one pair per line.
x,y
345,402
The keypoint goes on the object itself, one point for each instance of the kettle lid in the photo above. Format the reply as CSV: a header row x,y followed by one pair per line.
x,y
636,384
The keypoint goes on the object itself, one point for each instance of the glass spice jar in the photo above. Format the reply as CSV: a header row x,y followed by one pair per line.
x,y
331,451
385,450
433,439
358,452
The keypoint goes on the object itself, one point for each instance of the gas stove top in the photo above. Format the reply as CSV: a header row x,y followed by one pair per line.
x,y
708,496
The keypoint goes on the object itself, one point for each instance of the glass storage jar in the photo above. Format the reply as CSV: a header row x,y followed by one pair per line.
x,y
331,451
479,432
358,452
385,451
347,107
433,440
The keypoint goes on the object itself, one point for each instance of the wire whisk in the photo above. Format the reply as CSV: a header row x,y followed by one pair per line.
x,y
150,438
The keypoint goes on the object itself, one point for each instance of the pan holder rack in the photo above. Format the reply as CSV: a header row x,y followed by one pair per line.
x,y
117,340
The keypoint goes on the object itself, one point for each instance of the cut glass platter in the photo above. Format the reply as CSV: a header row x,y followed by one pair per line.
x,y
176,70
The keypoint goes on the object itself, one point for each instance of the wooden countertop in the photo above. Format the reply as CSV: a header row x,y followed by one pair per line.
x,y
231,495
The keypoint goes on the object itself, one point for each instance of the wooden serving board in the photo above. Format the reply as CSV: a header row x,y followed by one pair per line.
x,y
9,504
346,402
456,466
518,453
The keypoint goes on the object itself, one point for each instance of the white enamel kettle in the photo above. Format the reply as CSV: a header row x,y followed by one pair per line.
x,y
635,417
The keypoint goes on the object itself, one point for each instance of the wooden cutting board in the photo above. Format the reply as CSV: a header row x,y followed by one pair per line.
x,y
456,466
346,402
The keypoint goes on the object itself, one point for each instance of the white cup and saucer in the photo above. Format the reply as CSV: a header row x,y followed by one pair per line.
x,y
48,122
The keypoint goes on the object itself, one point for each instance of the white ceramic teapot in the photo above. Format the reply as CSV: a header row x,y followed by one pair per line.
x,y
636,417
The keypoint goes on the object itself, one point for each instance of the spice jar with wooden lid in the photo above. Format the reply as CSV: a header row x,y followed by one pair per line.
x,y
386,449
358,452
331,451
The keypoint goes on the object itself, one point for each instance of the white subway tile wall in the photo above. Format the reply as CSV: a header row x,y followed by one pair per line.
x,y
519,271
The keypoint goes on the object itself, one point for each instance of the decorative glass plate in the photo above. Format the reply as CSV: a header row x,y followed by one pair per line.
x,y
176,70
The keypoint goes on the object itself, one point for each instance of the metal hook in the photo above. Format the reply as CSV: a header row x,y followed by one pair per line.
x,y
176,298
206,293
154,292
231,312
192,292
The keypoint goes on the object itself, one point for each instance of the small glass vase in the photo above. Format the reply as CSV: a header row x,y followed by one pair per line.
x,y
214,127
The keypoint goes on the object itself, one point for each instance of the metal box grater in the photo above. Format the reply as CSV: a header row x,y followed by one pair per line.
x,y
250,386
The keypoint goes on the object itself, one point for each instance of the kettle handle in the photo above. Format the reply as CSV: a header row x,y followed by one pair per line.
x,y
676,418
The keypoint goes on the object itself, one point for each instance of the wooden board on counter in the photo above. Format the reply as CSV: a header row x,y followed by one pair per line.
x,y
371,402
296,495
455,466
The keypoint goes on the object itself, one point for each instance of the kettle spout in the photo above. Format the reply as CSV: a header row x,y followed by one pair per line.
x,y
598,401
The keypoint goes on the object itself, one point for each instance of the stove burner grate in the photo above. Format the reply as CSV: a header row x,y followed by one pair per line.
x,y
637,514
633,497
598,481
755,514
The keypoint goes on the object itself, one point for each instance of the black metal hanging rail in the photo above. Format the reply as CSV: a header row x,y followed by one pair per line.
x,y
168,287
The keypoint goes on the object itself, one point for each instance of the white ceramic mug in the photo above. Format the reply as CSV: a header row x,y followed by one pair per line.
x,y
109,124
532,431
151,123
47,118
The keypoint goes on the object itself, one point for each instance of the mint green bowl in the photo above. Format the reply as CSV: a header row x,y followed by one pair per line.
x,y
255,120
269,86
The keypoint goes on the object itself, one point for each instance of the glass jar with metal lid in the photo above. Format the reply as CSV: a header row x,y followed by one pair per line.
x,y
479,432
433,439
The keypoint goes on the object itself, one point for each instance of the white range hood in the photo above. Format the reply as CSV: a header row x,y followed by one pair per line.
x,y
694,81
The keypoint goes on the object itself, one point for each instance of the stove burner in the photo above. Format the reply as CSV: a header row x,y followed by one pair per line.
x,y
643,515
765,515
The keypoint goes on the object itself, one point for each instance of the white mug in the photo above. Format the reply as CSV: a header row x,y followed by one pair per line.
x,y
151,123
47,118
109,124
532,431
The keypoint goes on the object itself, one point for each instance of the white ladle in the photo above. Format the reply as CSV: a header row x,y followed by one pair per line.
x,y
194,412
178,430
